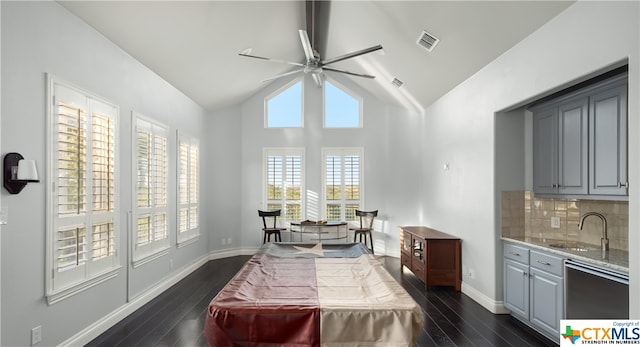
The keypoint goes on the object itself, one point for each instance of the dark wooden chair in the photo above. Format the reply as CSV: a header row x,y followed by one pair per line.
x,y
270,225
366,227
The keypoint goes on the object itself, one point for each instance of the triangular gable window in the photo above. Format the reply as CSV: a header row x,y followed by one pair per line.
x,y
341,108
283,109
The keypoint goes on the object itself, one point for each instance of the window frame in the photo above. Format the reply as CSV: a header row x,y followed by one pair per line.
x,y
284,152
192,233
155,248
348,92
276,94
64,283
342,152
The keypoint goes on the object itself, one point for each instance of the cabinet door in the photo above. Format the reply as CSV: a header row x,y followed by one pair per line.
x,y
573,165
545,130
405,242
608,149
418,259
547,302
405,249
516,288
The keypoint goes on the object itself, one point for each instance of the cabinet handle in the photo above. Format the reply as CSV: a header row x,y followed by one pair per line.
x,y
554,186
543,262
625,184
514,253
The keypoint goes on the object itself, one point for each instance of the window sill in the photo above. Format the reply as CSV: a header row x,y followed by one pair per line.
x,y
59,295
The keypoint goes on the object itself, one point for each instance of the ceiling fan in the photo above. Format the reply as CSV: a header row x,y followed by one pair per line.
x,y
313,63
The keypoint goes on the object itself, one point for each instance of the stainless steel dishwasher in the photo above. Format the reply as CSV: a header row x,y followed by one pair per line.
x,y
592,292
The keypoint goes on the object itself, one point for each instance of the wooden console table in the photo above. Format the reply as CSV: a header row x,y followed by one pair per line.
x,y
433,256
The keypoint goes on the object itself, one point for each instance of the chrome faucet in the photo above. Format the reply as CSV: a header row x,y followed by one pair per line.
x,y
604,241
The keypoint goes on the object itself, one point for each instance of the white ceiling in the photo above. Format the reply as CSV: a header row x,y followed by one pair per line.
x,y
194,45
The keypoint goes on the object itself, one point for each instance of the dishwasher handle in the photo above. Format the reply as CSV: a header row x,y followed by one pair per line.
x,y
597,271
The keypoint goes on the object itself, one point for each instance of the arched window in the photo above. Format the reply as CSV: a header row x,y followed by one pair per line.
x,y
283,109
341,108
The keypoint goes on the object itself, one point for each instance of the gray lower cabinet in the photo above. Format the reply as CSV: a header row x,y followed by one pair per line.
x,y
580,142
534,288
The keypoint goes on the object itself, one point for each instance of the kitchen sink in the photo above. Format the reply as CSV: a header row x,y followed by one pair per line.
x,y
576,247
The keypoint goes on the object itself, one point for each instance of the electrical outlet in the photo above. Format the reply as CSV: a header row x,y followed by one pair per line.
x,y
36,335
223,241
555,222
171,263
228,240
470,273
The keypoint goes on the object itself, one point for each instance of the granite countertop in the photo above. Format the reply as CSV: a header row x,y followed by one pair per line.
x,y
617,260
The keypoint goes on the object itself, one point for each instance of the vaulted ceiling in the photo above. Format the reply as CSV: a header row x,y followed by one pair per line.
x,y
194,45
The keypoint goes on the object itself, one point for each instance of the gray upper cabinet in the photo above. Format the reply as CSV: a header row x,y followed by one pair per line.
x,y
572,139
580,142
560,150
608,147
545,153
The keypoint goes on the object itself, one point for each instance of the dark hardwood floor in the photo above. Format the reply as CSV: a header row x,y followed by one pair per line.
x,y
176,317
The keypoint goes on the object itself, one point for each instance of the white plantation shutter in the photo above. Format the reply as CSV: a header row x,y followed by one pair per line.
x,y
284,184
71,246
103,162
82,206
71,159
151,172
188,188
342,182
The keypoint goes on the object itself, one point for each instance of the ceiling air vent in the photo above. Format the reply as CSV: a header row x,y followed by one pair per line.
x,y
427,41
396,82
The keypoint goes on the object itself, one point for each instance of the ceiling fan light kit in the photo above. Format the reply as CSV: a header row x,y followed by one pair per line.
x,y
313,64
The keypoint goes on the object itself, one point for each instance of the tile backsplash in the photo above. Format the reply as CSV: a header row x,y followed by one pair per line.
x,y
524,215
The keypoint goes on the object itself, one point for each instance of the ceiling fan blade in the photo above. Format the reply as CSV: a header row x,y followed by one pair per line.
x,y
327,68
269,59
352,54
306,45
282,75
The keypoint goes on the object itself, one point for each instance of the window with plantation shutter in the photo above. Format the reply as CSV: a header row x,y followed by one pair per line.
x,y
188,188
342,182
83,228
151,172
284,183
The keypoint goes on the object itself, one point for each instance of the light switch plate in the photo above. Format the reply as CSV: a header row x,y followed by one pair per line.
x,y
555,222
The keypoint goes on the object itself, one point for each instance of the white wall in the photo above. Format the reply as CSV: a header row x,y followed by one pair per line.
x,y
579,42
391,172
404,152
43,37
222,178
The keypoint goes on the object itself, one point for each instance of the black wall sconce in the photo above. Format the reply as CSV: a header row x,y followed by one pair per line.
x,y
18,172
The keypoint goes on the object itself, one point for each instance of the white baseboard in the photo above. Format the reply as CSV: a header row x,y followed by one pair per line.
x,y
103,324
495,307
